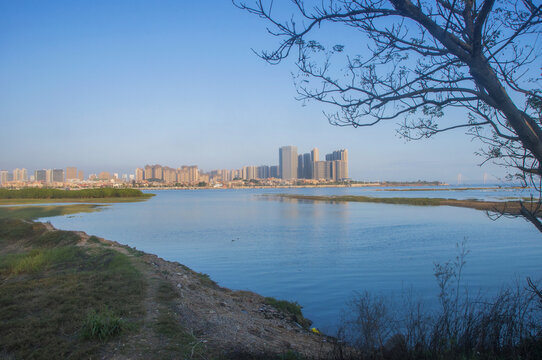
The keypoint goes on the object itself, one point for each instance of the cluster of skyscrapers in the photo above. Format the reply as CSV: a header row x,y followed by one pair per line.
x,y
292,167
309,166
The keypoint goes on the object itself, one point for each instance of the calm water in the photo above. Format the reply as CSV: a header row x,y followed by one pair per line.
x,y
319,254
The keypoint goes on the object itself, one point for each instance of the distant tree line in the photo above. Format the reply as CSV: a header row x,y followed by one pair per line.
x,y
46,193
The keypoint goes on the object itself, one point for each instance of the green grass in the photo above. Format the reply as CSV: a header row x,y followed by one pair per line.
x,y
506,207
290,308
36,260
82,200
35,212
13,229
103,325
49,193
50,290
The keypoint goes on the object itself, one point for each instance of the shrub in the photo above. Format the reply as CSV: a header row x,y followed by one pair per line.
x,y
101,326
508,325
292,309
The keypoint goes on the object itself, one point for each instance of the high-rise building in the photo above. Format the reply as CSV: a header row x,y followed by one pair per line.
x,y
104,175
288,162
3,176
322,170
340,169
300,167
274,172
58,175
251,172
315,155
148,172
170,175
338,155
20,174
139,175
263,172
49,176
81,175
307,166
158,172
71,173
338,164
41,175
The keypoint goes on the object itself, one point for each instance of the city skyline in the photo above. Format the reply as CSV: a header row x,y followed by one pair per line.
x,y
111,85
333,168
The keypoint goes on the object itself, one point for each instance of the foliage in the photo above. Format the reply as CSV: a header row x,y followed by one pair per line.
x,y
505,326
292,309
48,193
477,61
102,325
35,212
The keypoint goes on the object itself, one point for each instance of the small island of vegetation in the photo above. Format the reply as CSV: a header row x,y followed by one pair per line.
x,y
45,195
501,207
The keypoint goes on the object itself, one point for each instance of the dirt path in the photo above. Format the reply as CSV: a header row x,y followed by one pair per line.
x,y
209,321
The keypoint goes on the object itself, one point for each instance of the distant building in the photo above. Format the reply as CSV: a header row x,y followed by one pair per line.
x,y
20,175
81,175
300,167
315,155
288,162
58,175
104,175
334,168
274,172
263,172
48,176
41,175
322,170
340,169
158,172
71,173
340,164
170,175
307,166
3,177
139,175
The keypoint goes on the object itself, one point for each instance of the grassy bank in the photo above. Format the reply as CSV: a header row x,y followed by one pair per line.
x,y
58,300
46,195
507,207
36,212
68,295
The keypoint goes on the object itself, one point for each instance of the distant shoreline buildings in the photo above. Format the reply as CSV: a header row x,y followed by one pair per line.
x,y
292,168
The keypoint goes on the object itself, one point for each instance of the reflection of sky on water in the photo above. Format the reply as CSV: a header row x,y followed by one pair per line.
x,y
317,253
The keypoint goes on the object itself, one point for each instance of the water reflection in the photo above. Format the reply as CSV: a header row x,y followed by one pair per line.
x,y
316,253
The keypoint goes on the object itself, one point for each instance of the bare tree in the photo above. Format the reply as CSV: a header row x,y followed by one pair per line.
x,y
420,59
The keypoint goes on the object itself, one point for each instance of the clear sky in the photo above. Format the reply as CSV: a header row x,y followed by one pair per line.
x,y
114,85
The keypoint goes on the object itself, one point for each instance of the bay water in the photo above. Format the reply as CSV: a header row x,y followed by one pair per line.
x,y
321,254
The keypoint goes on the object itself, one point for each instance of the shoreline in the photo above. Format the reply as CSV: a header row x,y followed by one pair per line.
x,y
221,322
108,200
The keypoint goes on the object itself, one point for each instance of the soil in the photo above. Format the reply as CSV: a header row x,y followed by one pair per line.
x,y
222,321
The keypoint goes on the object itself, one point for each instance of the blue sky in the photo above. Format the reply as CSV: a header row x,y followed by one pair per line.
x,y
114,85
